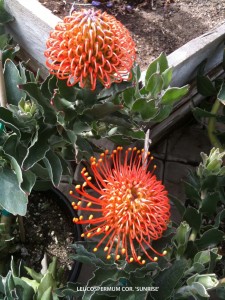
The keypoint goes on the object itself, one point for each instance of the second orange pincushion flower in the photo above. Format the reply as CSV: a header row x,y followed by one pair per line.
x,y
133,205
89,46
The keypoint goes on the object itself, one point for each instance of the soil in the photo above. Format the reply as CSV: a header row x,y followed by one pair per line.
x,y
161,28
47,230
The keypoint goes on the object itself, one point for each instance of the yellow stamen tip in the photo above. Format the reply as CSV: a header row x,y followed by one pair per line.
x,y
89,178
73,204
155,258
107,228
83,170
139,258
71,192
143,262
106,248
99,229
117,257
77,187
89,234
95,249
82,235
79,203
86,174
81,218
155,166
75,220
89,204
164,252
108,256
91,217
84,184
123,251
131,259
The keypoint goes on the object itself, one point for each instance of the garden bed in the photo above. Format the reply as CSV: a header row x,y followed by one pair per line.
x,y
33,23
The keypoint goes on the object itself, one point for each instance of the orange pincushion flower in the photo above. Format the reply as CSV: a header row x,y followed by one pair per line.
x,y
89,46
133,205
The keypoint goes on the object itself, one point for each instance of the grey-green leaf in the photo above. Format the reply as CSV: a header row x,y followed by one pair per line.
x,y
174,94
12,198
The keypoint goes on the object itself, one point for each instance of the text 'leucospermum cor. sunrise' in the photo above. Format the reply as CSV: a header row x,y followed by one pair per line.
x,y
88,46
131,208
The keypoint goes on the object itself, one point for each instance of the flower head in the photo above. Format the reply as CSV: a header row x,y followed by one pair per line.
x,y
88,46
132,208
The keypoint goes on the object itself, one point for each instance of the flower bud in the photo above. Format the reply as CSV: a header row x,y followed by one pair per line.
x,y
209,281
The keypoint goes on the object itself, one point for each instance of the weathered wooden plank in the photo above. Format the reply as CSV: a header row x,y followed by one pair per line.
x,y
31,28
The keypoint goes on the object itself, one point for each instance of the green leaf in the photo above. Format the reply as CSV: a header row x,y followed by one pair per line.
x,y
54,167
210,238
10,190
83,149
99,111
67,92
80,127
201,113
219,218
47,282
214,257
146,108
154,85
53,267
38,148
47,295
29,179
71,289
192,192
5,17
32,283
167,77
128,97
87,257
160,64
221,94
24,290
168,279
209,203
114,90
4,40
204,257
12,80
205,86
193,218
36,276
164,112
174,94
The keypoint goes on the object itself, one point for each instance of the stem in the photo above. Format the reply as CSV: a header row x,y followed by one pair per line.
x,y
3,101
7,221
146,147
212,126
21,229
